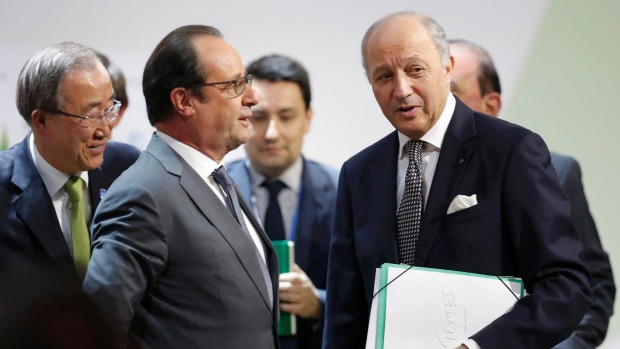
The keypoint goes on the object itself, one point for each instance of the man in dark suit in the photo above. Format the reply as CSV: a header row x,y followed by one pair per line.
x,y
306,199
179,261
476,82
516,220
65,95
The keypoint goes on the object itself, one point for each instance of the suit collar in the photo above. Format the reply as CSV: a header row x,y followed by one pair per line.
x,y
35,208
215,212
455,154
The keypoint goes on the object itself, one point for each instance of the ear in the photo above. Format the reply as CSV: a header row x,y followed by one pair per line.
x,y
308,119
39,119
449,68
118,118
491,103
182,102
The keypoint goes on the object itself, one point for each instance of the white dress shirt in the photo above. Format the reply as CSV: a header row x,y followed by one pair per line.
x,y
54,181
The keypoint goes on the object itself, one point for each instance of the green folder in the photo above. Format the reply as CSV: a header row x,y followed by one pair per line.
x,y
287,326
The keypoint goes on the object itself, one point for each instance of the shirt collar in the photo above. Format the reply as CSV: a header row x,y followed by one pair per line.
x,y
202,164
53,179
291,177
434,137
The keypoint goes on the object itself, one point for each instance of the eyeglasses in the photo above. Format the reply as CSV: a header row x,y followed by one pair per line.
x,y
93,120
235,87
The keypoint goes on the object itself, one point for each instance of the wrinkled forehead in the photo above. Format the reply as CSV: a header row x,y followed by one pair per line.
x,y
400,34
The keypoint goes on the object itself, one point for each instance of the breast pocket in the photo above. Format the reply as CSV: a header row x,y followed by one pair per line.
x,y
468,213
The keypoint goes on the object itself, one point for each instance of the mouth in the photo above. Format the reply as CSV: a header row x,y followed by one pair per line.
x,y
408,111
97,149
245,119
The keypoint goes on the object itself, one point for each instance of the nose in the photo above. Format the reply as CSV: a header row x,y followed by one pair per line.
x,y
250,98
272,130
403,86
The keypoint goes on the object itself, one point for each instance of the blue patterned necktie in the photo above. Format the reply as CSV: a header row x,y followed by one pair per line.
x,y
409,214
222,178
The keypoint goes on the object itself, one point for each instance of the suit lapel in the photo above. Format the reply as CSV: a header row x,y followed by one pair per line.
x,y
310,194
382,211
453,160
36,210
215,211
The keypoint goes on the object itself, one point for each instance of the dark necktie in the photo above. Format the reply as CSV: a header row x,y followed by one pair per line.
x,y
80,236
411,207
274,223
222,178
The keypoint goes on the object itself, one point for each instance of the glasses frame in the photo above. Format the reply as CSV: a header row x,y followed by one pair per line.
x,y
110,114
237,83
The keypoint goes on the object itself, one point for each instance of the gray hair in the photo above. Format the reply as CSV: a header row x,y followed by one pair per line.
x,y
434,29
39,84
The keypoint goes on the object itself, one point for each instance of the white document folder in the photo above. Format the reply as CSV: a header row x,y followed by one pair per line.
x,y
417,307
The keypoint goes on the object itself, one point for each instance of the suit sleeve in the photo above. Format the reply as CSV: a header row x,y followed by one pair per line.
x,y
546,251
593,327
129,251
346,313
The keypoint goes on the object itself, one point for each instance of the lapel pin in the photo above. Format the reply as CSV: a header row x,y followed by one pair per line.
x,y
461,161
102,193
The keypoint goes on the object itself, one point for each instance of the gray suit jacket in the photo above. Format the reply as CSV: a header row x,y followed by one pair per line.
x,y
173,267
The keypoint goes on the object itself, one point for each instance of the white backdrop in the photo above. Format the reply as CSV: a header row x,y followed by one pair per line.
x,y
325,36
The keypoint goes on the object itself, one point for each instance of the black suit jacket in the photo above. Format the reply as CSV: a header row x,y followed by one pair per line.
x,y
29,229
593,327
521,226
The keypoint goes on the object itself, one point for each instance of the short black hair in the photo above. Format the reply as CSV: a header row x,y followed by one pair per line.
x,y
174,63
277,67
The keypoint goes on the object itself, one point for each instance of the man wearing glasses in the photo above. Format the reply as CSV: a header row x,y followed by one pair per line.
x,y
55,178
179,260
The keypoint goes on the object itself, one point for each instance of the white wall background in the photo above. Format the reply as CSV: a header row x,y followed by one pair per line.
x,y
325,36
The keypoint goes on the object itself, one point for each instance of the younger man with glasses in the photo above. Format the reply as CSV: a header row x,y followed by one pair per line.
x,y
54,179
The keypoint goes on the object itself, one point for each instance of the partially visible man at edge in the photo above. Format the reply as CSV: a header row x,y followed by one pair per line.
x,y
441,151
476,83
50,186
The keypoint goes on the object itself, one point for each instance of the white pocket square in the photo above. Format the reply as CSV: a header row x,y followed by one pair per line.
x,y
462,202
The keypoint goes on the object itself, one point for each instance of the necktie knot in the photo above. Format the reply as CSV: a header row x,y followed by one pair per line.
x,y
274,187
75,188
222,178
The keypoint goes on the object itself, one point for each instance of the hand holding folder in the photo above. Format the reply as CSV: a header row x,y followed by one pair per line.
x,y
418,307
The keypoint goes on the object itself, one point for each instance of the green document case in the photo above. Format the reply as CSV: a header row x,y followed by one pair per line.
x,y
287,326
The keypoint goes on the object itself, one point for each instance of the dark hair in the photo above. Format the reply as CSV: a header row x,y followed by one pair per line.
x,y
39,84
174,63
117,77
281,68
487,74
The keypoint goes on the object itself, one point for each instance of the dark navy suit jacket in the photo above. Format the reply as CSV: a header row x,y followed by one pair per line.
x,y
312,234
521,226
29,228
593,327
